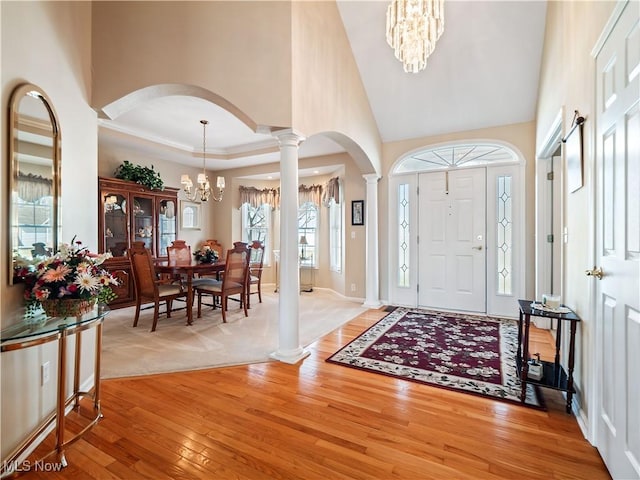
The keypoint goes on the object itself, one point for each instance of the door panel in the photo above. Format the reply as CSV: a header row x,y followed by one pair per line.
x,y
452,224
617,248
608,411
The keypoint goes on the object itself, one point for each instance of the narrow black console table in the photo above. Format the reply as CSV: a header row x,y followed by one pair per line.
x,y
57,329
554,375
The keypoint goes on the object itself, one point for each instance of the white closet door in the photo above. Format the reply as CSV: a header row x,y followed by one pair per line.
x,y
618,247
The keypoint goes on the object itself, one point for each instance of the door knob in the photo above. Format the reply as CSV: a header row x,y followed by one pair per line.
x,y
479,247
595,272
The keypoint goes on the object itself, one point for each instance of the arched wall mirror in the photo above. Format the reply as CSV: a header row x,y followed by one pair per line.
x,y
34,153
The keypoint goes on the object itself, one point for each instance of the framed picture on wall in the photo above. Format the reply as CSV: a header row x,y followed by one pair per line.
x,y
357,212
189,215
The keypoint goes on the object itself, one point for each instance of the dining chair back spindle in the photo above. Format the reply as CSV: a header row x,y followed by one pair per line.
x,y
234,281
149,288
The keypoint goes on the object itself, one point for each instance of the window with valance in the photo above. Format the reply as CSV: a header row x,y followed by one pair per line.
x,y
255,203
33,200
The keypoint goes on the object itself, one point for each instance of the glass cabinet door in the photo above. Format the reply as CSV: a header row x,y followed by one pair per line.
x,y
167,225
116,232
142,214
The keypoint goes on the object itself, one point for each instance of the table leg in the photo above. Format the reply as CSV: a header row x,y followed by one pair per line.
x,y
96,370
572,344
189,299
76,371
556,360
62,390
520,335
525,358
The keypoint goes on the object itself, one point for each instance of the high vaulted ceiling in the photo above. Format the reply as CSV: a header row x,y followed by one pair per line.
x,y
484,72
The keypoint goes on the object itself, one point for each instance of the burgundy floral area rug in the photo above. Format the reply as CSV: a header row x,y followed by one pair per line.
x,y
470,354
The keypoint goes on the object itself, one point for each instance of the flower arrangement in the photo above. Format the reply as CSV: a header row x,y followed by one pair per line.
x,y
72,273
206,255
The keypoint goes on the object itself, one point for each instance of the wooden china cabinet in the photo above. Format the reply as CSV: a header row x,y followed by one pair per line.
x,y
129,212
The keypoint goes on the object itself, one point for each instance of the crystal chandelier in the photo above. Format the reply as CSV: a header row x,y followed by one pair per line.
x,y
413,28
204,190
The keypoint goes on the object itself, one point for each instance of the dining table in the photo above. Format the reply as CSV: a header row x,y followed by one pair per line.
x,y
189,271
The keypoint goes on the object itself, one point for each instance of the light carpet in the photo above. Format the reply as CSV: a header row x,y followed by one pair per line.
x,y
466,353
174,346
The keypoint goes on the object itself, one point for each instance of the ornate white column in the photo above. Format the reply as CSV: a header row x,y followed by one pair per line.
x,y
289,349
372,299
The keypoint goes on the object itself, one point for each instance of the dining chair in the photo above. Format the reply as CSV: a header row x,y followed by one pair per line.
x,y
149,288
179,253
234,281
215,246
256,262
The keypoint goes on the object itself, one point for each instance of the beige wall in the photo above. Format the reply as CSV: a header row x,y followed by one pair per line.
x,y
292,68
328,96
240,51
47,44
567,82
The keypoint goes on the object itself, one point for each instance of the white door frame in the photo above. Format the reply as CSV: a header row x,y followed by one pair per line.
x,y
496,305
550,146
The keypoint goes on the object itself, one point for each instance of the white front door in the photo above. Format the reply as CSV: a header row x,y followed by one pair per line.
x,y
452,240
617,312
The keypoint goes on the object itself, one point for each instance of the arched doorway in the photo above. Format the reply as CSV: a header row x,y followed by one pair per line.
x,y
456,215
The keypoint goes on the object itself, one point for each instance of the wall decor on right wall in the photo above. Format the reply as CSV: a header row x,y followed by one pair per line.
x,y
357,212
573,153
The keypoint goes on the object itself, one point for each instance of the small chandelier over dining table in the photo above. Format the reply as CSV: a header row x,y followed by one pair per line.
x,y
203,191
413,28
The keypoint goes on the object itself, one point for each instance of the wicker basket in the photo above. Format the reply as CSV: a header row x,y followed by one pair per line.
x,y
68,307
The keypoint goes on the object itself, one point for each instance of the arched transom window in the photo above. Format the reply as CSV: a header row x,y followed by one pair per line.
x,y
459,155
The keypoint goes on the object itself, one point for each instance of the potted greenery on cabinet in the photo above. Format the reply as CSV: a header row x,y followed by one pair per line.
x,y
144,176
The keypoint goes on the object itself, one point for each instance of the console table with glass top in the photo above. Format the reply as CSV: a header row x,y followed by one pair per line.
x,y
32,332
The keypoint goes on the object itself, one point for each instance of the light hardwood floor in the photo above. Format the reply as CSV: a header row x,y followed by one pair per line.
x,y
317,420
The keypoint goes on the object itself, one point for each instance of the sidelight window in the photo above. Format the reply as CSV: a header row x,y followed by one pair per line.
x,y
504,235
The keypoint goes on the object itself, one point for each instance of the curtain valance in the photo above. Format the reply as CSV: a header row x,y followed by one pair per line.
x,y
311,193
316,194
32,188
332,191
258,197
